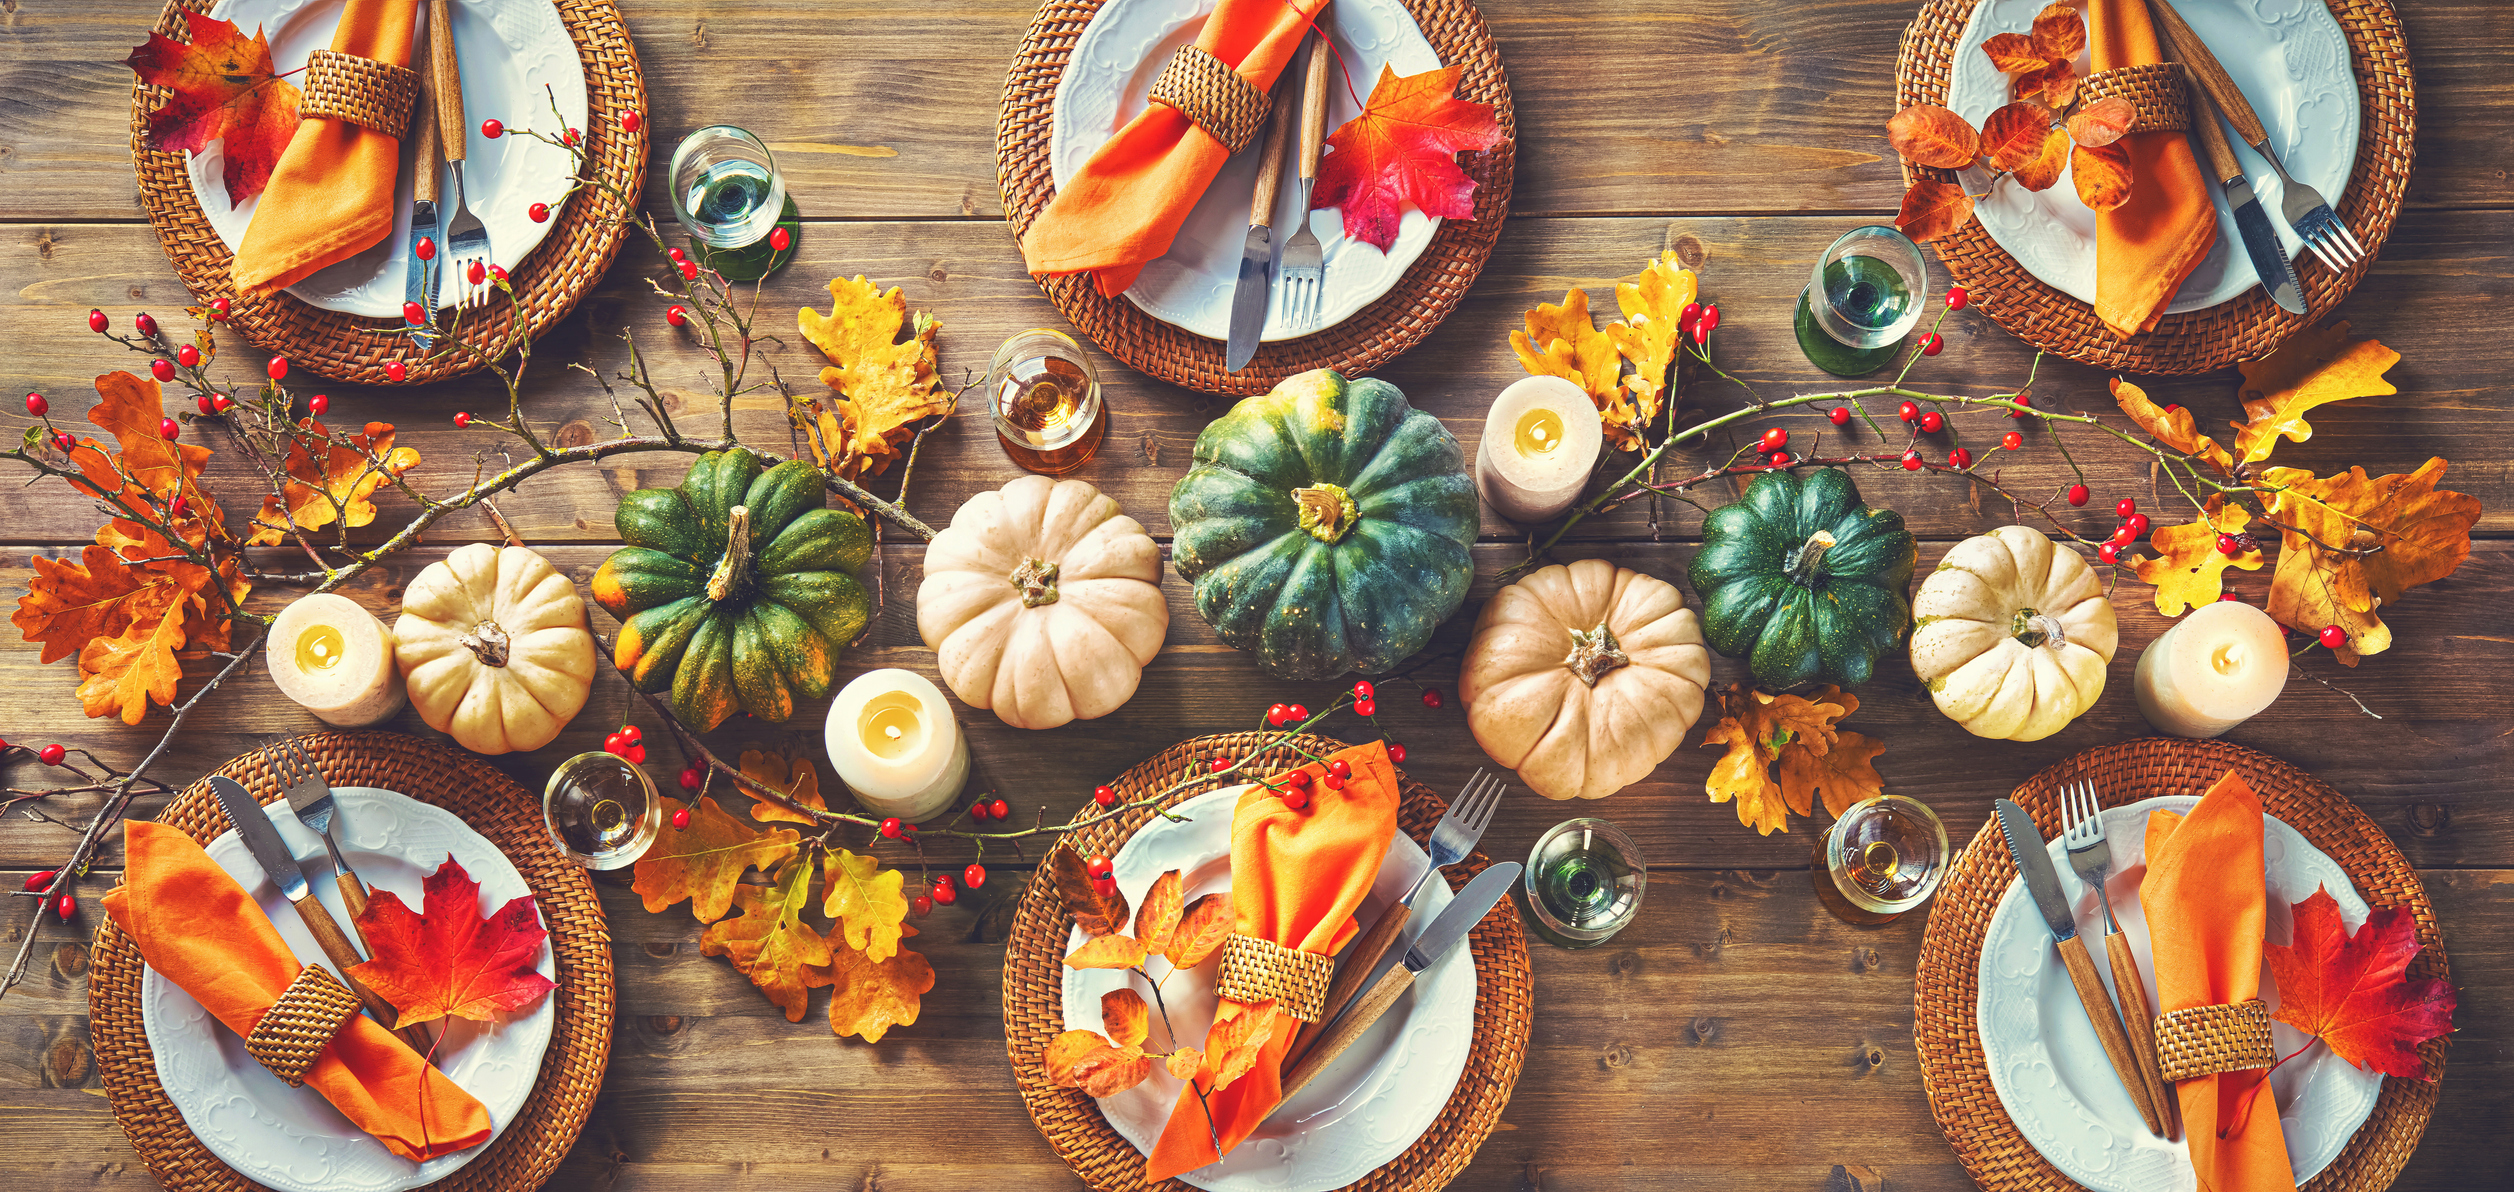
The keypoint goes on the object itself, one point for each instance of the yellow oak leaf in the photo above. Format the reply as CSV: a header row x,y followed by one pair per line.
x,y
865,901
792,777
703,862
882,369
2359,543
1649,335
2189,570
1125,1016
1561,342
2315,367
340,487
770,943
868,997
2304,594
2174,428
1796,734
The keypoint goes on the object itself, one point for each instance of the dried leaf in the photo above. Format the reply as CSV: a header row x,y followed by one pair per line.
x,y
2044,171
702,862
2355,992
2055,85
1201,930
225,88
341,488
1651,337
1107,952
1096,916
1929,135
882,366
865,901
448,959
1403,149
1113,1070
2315,367
2189,570
1561,342
2014,135
1845,772
69,604
1125,1016
2103,121
1158,917
123,674
1233,1045
2174,428
129,408
2102,174
1932,209
868,997
1796,734
1184,1062
1064,1052
2014,53
792,777
2059,33
770,943
2415,534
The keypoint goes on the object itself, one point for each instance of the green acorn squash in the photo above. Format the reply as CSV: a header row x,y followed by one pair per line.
x,y
1325,526
736,589
1803,581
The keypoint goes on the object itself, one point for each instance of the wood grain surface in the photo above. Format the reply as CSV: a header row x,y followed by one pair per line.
x,y
1736,1037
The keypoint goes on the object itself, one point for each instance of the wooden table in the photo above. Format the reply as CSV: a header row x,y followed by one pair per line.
x,y
1737,1037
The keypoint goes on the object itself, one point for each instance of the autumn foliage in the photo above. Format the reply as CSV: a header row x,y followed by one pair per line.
x,y
2354,992
1784,749
224,88
448,959
1561,341
1184,934
1403,149
881,377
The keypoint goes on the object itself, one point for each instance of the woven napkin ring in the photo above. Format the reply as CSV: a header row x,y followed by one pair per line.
x,y
2206,1040
2156,87
370,94
1213,95
301,1024
1254,970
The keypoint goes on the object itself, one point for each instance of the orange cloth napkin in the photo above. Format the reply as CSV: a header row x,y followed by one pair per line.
x,y
331,195
1296,879
2205,905
2145,247
195,925
1131,197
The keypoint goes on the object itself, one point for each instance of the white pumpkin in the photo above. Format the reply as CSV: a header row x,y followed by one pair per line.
x,y
1583,678
1043,602
493,645
2012,635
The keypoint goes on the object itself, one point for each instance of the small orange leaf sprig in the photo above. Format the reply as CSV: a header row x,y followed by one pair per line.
x,y
1663,329
1783,749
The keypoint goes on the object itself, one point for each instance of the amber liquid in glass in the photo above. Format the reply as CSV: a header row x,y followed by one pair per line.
x,y
1049,415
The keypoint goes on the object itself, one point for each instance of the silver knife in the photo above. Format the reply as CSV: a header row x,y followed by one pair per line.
x,y
1445,931
2042,883
271,852
1248,300
420,284
2260,240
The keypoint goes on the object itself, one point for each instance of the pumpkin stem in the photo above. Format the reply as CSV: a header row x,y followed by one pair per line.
x,y
737,560
1037,581
1802,569
1327,511
2037,628
488,643
1594,653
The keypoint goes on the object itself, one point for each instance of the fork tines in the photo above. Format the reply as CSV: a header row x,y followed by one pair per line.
x,y
2330,239
2081,814
1476,802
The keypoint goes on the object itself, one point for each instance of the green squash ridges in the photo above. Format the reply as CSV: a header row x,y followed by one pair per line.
x,y
1829,624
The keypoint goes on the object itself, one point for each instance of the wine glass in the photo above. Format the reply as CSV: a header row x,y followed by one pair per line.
x,y
1885,856
1865,295
601,810
1583,884
726,190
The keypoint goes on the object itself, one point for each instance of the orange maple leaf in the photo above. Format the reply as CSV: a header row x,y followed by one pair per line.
x,y
704,861
224,87
1403,149
340,488
2354,992
448,959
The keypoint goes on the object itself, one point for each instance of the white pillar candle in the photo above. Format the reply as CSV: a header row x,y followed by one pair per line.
x,y
1541,438
335,658
894,742
2213,670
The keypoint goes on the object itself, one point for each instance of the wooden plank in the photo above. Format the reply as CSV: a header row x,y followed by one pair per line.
x,y
2439,269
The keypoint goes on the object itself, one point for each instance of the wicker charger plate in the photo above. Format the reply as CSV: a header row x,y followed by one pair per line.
x,y
1948,977
1374,335
1034,1011
2244,328
490,802
346,347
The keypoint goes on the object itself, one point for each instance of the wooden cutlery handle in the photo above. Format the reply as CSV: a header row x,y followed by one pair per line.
x,y
2195,56
424,142
1270,162
1360,957
447,76
1314,106
343,955
2204,128
2107,1020
1365,1012
2125,977
353,894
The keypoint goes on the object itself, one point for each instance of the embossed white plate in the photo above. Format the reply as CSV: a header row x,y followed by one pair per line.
x,y
2292,62
1108,80
509,50
1369,1105
293,1139
2049,1070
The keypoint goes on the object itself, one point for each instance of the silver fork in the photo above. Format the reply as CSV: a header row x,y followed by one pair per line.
x,y
1302,269
2313,219
310,796
2090,853
466,238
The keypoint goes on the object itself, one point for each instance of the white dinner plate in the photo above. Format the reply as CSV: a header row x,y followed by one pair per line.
x,y
1108,80
293,1139
509,51
1359,1113
2049,1070
2292,62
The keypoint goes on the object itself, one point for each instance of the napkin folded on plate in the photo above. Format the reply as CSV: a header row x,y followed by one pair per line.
x,y
1126,205
2147,246
331,195
202,931
1296,879
2206,903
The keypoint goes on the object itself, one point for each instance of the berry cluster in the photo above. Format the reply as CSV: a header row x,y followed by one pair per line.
x,y
627,744
984,810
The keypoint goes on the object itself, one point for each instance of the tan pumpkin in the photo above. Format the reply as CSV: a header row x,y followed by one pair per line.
x,y
2012,635
1583,678
493,646
1043,602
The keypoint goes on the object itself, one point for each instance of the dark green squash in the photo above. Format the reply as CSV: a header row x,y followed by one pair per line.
x,y
737,590
1803,581
1325,526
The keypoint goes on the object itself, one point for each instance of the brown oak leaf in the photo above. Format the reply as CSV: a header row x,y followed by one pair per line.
x,y
704,861
868,997
1778,756
2412,533
792,777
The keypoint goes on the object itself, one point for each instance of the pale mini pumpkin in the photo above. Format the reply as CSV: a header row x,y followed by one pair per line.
x,y
1583,678
1042,601
493,645
2012,635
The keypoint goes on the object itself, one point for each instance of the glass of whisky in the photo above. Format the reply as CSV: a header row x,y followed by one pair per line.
x,y
1046,402
1885,856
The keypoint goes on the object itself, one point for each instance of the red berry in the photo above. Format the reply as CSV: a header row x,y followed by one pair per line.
x,y
167,428
2125,507
1911,460
614,743
680,817
1105,887
1957,298
779,239
1275,714
635,753
689,270
676,316
202,403
678,255
2024,403
462,418
425,249
497,272
977,811
317,404
1104,796
890,827
633,733
2225,596
1930,343
1220,764
52,754
477,273
221,403
1691,315
1396,753
1363,689
2077,494
1932,422
1339,768
1431,697
37,406
1709,322
147,323
2011,441
1366,707
691,778
1296,798
538,212
1778,459
1774,439
278,368
1960,457
974,875
218,309
2109,552
492,129
412,314
39,881
162,369
572,137
61,439
1096,865
1908,411
2334,637
97,322
178,507
395,370
1000,809
1296,714
1334,783
66,907
2171,407
1298,778
922,905
187,355
944,891
1840,416
2121,534
629,120
2137,525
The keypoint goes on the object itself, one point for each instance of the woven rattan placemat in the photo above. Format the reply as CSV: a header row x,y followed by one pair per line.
x,y
490,802
2248,326
548,284
1034,987
1374,335
1943,1007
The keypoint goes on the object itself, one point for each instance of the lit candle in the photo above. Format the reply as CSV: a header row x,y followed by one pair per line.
x,y
335,658
895,743
1541,438
2213,670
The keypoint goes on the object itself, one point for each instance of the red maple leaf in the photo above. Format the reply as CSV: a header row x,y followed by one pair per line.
x,y
450,960
224,86
1403,149
2354,991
